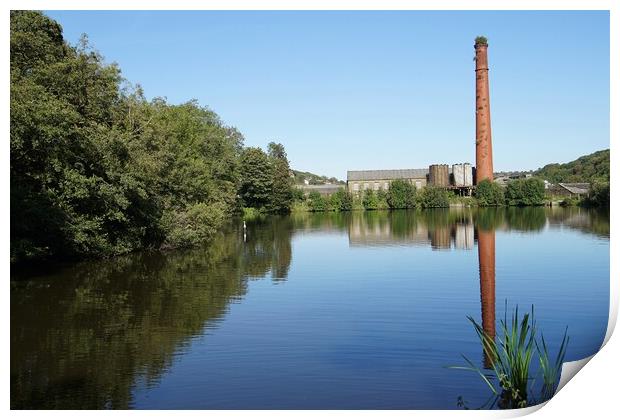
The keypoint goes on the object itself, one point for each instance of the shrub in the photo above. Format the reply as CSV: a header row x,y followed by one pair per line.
x,y
489,193
198,223
335,201
433,197
401,195
346,200
298,194
569,202
481,40
317,202
370,200
599,196
525,192
382,199
341,200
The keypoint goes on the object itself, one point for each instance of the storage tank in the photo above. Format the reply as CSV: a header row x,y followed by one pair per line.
x,y
458,173
468,175
438,175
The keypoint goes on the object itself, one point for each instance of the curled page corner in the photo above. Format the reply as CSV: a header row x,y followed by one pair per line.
x,y
569,370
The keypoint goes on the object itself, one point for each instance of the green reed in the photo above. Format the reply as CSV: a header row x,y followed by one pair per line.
x,y
511,355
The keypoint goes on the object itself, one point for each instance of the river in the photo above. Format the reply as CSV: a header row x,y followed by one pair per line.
x,y
335,310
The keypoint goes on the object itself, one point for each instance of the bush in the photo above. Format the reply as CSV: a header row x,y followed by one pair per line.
x,y
599,196
525,192
196,224
335,201
370,200
382,199
317,202
298,194
569,202
401,195
346,200
489,193
433,197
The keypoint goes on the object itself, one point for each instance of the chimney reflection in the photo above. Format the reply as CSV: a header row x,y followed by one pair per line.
x,y
486,261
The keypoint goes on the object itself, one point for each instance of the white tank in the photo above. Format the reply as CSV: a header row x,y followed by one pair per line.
x,y
458,172
468,175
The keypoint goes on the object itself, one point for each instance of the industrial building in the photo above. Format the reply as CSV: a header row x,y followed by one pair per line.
x,y
461,176
380,179
458,176
564,189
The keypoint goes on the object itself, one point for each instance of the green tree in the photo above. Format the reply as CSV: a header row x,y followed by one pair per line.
x,y
599,195
590,168
98,170
382,199
335,201
370,200
298,194
525,192
489,194
346,202
433,197
256,178
317,202
401,195
281,196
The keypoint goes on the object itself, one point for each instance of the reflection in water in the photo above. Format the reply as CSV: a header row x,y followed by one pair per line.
x,y
84,336
486,261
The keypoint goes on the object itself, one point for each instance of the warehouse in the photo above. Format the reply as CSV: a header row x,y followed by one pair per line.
x,y
459,175
380,179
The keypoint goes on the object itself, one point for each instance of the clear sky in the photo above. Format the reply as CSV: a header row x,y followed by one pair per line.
x,y
373,90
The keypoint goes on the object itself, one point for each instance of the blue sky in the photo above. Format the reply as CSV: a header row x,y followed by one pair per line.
x,y
373,90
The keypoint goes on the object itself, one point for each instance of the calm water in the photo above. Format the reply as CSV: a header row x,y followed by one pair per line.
x,y
355,310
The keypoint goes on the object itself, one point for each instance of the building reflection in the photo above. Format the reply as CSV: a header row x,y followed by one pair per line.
x,y
442,230
456,229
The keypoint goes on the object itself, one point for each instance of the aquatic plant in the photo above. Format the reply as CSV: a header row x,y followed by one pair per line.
x,y
551,372
511,356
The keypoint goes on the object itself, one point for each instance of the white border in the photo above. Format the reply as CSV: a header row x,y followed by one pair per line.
x,y
594,394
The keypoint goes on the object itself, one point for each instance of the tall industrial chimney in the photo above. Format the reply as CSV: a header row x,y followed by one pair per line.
x,y
484,147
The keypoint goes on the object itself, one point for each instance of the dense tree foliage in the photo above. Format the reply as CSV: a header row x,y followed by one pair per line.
x,y
266,182
281,195
599,195
316,202
525,192
370,200
590,168
489,193
256,178
433,197
401,195
98,170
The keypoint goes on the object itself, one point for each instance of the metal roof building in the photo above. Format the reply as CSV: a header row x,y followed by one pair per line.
x,y
576,187
386,174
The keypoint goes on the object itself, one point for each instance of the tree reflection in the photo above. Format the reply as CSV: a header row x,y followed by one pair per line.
x,y
100,327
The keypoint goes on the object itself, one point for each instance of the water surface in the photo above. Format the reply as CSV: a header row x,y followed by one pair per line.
x,y
340,310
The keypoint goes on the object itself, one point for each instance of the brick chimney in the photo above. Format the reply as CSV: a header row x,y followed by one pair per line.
x,y
484,147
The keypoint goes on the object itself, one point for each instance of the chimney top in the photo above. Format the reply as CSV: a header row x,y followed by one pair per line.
x,y
481,41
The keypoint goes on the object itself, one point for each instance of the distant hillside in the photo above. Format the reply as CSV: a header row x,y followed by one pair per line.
x,y
590,168
314,179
